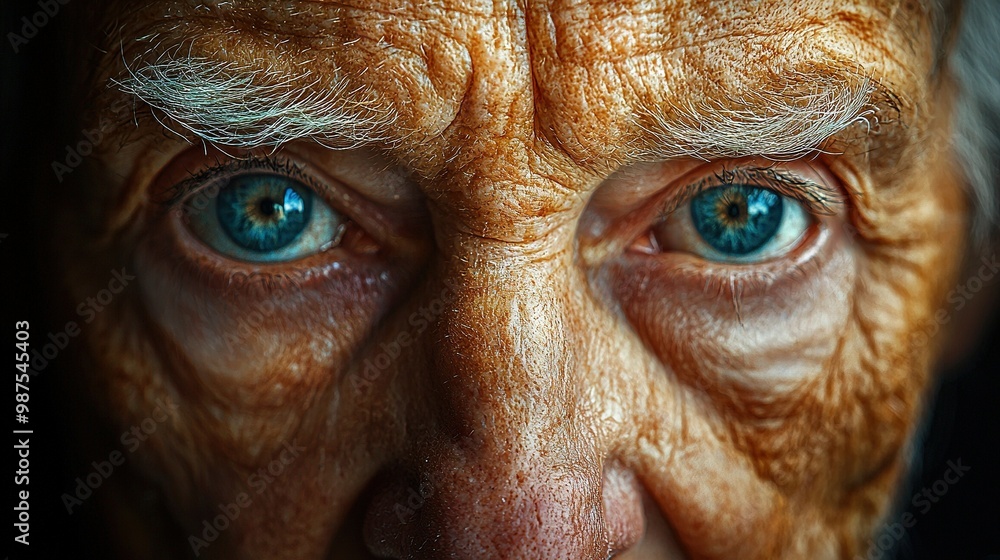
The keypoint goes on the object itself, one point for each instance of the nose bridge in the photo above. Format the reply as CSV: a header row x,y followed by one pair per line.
x,y
505,348
511,467
507,470
504,211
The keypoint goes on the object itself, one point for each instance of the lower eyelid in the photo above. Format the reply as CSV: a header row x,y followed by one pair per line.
x,y
170,239
727,279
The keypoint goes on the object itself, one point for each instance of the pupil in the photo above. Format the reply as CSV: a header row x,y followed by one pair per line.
x,y
737,219
263,213
268,207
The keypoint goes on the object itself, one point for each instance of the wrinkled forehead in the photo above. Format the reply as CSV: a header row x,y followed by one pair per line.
x,y
591,78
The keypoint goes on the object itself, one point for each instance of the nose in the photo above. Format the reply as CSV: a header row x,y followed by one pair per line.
x,y
514,461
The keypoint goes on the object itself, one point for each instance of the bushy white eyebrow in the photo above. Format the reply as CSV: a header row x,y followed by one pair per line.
x,y
230,104
783,123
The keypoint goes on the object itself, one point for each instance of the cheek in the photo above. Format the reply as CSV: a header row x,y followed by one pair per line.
x,y
243,344
721,327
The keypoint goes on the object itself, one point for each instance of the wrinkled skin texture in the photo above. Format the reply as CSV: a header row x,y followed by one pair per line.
x,y
564,396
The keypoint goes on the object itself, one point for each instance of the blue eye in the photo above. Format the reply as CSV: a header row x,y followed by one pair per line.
x,y
741,223
266,217
263,213
737,219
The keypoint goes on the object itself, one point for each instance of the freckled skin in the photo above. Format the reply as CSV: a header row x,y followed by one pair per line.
x,y
557,396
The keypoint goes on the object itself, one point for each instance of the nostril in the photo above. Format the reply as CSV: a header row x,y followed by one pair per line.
x,y
393,517
348,541
622,495
659,540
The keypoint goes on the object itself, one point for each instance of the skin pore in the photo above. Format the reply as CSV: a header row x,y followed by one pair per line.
x,y
513,324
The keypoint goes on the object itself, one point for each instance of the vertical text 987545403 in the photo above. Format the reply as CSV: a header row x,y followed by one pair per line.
x,y
22,439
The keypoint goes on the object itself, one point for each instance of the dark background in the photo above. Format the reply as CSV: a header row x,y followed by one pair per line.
x,y
36,127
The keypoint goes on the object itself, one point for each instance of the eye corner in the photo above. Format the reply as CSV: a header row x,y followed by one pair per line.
x,y
250,208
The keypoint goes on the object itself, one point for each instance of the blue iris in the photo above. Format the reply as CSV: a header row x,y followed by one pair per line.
x,y
737,219
263,212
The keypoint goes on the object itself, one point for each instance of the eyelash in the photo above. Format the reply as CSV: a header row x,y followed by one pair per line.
x,y
817,198
207,177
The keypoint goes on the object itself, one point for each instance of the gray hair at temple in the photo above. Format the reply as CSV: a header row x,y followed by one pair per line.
x,y
976,66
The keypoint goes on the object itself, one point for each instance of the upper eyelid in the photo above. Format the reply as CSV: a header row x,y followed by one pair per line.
x,y
340,196
207,176
818,198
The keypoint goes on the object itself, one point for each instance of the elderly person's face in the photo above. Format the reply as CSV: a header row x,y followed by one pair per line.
x,y
516,280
